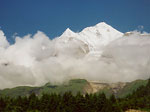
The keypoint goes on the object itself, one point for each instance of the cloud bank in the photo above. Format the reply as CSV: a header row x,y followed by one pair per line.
x,y
36,60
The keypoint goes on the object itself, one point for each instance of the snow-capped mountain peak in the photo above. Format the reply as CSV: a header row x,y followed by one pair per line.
x,y
102,24
95,37
102,30
68,33
99,26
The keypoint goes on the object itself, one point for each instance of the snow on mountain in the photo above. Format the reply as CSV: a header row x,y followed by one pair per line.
x,y
90,40
68,33
99,53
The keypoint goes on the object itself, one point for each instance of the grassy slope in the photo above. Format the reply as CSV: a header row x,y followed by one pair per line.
x,y
130,87
19,91
74,86
108,92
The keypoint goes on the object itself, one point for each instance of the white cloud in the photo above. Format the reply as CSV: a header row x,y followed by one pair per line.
x,y
37,60
3,42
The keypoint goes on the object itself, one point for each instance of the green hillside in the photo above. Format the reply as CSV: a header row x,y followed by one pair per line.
x,y
18,91
107,91
75,85
130,87
138,101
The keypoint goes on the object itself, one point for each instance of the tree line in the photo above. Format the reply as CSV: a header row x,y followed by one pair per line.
x,y
139,99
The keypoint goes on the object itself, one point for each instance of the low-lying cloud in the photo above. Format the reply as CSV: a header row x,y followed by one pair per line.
x,y
36,60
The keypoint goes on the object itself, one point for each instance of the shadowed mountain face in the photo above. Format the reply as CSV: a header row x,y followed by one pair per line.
x,y
75,86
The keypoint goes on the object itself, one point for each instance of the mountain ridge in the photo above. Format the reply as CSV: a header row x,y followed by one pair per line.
x,y
94,37
77,85
98,52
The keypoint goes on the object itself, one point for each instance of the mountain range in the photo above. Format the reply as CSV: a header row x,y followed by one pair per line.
x,y
90,41
98,53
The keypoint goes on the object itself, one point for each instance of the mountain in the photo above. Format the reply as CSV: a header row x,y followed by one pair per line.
x,y
98,53
120,89
90,40
75,86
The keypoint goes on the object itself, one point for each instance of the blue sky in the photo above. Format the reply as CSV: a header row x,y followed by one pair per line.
x,y
54,16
